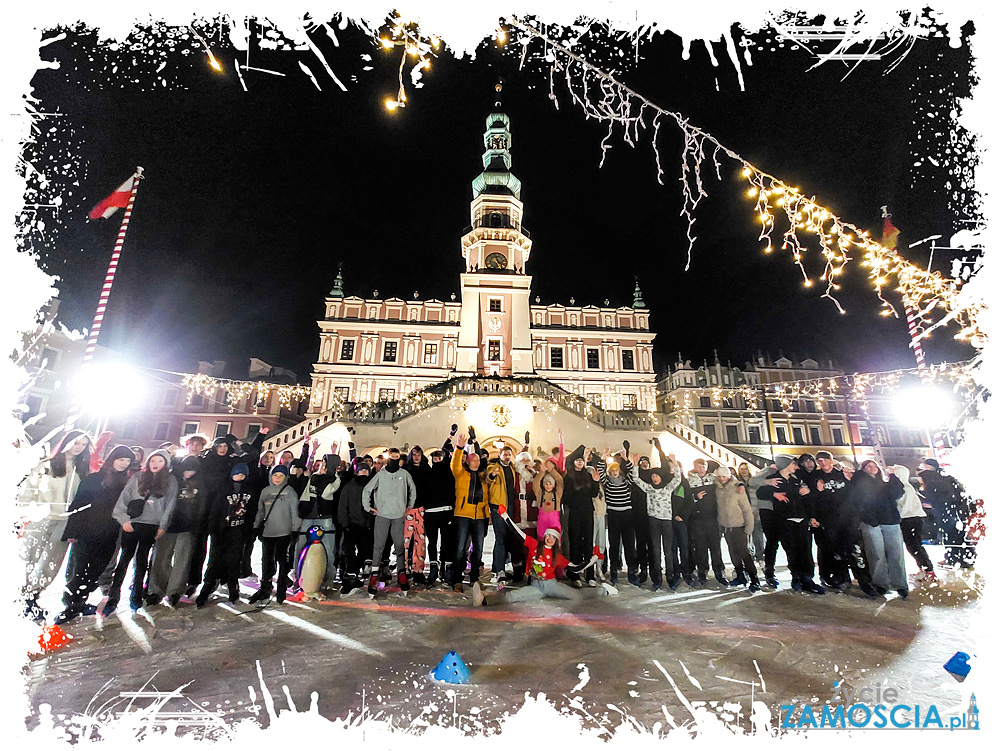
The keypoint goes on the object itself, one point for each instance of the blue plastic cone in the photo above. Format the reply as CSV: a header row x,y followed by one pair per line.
x,y
451,669
958,666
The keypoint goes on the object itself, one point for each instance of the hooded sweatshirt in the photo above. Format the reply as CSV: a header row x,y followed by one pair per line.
x,y
190,509
284,519
391,492
658,497
422,479
876,499
908,503
157,509
90,512
351,511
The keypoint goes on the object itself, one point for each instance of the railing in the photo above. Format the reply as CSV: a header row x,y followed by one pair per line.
x,y
707,446
485,223
389,413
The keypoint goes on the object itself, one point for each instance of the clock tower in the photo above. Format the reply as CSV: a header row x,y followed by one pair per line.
x,y
495,336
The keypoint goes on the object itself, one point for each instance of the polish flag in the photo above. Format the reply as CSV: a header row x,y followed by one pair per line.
x,y
111,204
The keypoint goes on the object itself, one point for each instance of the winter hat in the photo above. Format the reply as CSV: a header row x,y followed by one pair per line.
x,y
781,461
120,452
189,463
824,455
240,469
554,531
932,463
279,469
724,472
158,452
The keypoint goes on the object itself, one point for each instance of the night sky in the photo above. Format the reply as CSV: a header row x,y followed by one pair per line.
x,y
252,199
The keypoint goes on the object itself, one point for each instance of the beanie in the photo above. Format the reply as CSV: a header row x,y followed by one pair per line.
x,y
240,469
933,463
120,452
189,463
781,461
279,469
824,455
723,472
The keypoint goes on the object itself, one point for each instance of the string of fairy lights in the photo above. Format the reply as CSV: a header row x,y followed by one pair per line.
x,y
932,300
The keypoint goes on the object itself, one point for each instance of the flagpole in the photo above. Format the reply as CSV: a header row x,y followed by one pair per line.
x,y
102,302
109,278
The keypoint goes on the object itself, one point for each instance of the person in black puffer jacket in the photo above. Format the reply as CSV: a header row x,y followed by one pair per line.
x,y
875,499
439,513
357,525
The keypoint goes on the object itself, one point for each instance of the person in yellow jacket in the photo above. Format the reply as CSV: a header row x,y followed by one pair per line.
x,y
471,510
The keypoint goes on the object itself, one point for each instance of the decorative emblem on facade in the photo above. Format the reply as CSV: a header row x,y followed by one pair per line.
x,y
501,415
494,324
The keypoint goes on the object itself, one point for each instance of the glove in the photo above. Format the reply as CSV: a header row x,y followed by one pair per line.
x,y
625,445
501,509
656,442
472,434
527,438
454,428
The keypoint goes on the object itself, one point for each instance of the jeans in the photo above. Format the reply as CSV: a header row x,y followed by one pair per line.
x,y
274,555
681,549
621,533
499,533
771,524
739,553
465,529
884,545
661,538
171,557
913,529
542,588
757,538
137,544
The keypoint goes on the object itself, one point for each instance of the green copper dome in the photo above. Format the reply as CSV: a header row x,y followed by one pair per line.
x,y
496,177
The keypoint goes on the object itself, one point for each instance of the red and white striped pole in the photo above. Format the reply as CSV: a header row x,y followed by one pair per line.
x,y
109,278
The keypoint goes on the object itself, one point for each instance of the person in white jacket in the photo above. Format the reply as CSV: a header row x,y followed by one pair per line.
x,y
44,502
911,512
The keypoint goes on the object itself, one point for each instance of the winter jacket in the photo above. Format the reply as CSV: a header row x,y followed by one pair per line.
x,y
658,497
876,499
90,512
318,497
680,501
796,506
832,506
760,478
55,493
908,503
542,564
733,505
422,480
945,495
706,507
351,511
471,493
190,510
502,483
284,519
157,509
391,493
441,488
228,512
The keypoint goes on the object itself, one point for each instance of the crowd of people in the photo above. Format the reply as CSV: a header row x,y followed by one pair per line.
x,y
568,525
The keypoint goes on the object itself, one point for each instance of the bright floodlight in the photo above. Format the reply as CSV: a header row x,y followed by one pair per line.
x,y
109,388
924,407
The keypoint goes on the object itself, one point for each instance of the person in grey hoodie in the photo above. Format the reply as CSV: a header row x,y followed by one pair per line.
x,y
390,494
658,492
143,509
911,512
277,519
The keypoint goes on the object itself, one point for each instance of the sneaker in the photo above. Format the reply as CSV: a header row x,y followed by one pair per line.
x,y
348,584
739,581
755,586
868,589
608,588
67,615
809,585
702,579
720,577
88,609
134,606
173,601
614,580
373,584
656,586
591,582
404,581
190,591
903,593
772,582
477,595
633,579
643,576
796,585
419,579
578,584
152,600
279,598
673,584
689,580
33,611
494,578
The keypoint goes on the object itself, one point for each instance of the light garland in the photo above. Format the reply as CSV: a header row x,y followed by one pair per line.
x,y
237,391
605,99
856,387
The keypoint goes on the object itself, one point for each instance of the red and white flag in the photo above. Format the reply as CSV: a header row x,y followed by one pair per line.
x,y
111,204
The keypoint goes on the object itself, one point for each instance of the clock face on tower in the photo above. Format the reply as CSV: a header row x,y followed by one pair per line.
x,y
497,261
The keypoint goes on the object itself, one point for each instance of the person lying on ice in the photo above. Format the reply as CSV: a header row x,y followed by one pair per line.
x,y
545,565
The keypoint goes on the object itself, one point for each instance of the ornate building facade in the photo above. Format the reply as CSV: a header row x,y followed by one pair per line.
x,y
381,350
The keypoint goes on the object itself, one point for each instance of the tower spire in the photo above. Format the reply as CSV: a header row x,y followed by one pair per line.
x,y
637,296
338,283
496,177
